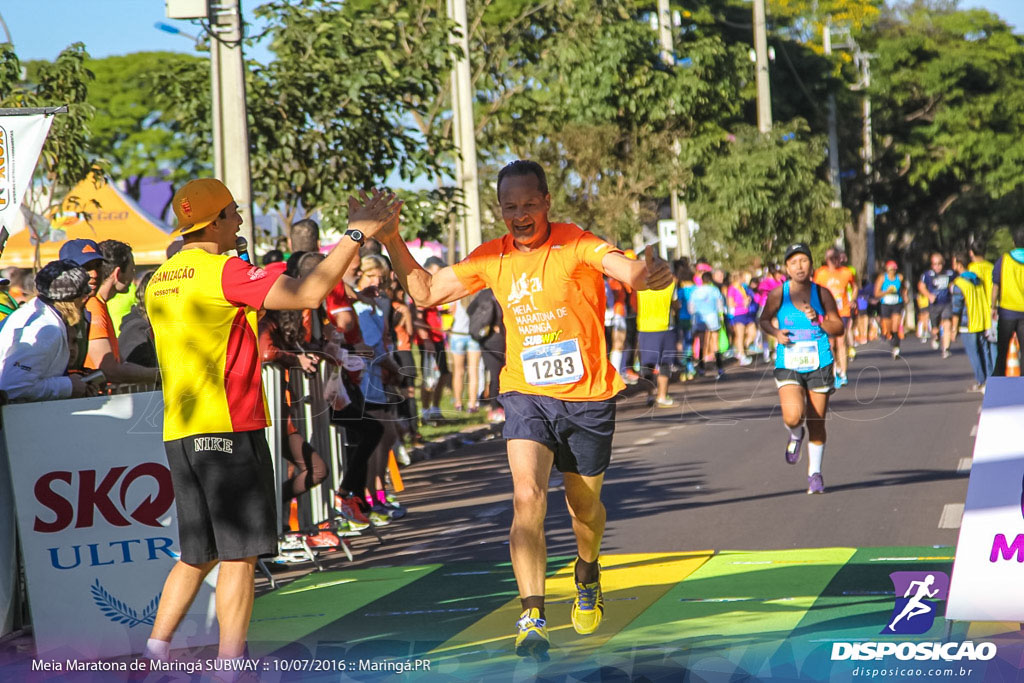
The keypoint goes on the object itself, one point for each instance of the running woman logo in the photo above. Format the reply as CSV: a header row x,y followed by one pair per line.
x,y
916,595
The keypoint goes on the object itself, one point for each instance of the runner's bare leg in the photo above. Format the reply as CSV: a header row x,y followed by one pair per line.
x,y
531,464
583,498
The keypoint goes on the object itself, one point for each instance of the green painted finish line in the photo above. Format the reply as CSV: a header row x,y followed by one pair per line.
x,y
726,615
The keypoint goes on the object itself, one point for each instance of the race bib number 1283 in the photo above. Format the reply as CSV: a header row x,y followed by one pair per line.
x,y
556,363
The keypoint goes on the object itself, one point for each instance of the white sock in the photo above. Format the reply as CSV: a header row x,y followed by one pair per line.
x,y
815,453
157,649
796,432
616,360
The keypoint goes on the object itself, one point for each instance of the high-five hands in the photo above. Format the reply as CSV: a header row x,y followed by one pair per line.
x,y
659,275
374,215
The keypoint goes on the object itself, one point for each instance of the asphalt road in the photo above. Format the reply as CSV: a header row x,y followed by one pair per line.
x,y
709,474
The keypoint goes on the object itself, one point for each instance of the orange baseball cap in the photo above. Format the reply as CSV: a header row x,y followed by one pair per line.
x,y
198,203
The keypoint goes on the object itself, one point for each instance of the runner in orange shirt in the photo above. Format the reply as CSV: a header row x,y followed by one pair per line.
x,y
557,386
842,282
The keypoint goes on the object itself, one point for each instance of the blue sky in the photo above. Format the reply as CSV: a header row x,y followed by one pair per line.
x,y
42,28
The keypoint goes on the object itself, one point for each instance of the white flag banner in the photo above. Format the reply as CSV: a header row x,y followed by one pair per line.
x,y
21,141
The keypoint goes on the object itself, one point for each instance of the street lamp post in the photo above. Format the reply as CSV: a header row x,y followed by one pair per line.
x,y
227,86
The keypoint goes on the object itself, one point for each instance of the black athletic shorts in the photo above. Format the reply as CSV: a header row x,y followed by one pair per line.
x,y
820,381
889,310
224,494
937,313
578,432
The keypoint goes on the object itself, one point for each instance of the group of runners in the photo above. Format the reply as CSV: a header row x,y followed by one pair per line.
x,y
557,387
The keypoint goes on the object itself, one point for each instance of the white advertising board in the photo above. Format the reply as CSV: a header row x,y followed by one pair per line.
x,y
96,519
986,585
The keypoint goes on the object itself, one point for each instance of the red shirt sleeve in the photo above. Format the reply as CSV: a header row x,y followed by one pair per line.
x,y
245,284
338,301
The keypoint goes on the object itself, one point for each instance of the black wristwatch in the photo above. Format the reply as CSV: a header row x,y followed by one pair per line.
x,y
357,236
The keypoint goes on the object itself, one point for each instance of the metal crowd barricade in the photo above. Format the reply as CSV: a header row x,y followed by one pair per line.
x,y
312,420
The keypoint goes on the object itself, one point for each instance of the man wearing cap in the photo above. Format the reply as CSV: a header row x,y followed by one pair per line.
x,y
34,340
203,306
116,272
85,253
802,315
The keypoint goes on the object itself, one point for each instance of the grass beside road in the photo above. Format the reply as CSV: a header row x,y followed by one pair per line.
x,y
454,422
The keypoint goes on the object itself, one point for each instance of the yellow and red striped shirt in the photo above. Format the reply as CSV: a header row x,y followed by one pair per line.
x,y
203,308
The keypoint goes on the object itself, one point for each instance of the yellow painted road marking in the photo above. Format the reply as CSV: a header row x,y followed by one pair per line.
x,y
630,584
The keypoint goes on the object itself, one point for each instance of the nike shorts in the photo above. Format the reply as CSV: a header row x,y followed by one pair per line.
x,y
224,492
578,432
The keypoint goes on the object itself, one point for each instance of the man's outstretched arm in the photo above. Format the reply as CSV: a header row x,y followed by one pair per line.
x,y
651,273
425,289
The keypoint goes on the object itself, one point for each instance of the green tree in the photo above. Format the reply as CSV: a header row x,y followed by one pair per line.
x,y
65,159
333,111
140,139
948,85
764,192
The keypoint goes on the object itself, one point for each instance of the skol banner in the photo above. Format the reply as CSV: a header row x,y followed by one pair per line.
x,y
96,520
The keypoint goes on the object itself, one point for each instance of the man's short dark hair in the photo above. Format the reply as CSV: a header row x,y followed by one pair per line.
x,y
305,235
961,257
977,247
115,255
273,256
523,167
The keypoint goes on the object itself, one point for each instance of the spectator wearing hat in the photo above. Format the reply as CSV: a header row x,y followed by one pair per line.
x,y
117,271
35,340
85,253
203,306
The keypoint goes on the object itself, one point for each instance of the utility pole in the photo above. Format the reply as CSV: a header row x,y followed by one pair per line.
x,y
227,66
764,96
833,129
679,212
868,154
464,126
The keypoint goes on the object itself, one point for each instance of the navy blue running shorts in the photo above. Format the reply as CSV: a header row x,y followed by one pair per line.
x,y
820,381
657,349
578,432
224,495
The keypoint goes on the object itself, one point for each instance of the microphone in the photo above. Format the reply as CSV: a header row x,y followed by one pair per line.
x,y
242,247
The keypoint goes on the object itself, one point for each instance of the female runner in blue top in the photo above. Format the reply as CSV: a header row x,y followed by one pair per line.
x,y
807,317
891,290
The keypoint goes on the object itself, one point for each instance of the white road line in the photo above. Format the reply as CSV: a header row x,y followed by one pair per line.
x,y
643,442
952,513
663,432
974,431
964,465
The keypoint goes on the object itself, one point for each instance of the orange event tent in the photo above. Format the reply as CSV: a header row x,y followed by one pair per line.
x,y
117,217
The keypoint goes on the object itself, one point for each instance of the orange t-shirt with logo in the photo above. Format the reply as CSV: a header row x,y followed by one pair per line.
x,y
840,282
553,303
101,327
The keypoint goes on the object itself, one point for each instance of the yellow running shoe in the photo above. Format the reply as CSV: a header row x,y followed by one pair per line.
x,y
532,638
588,607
